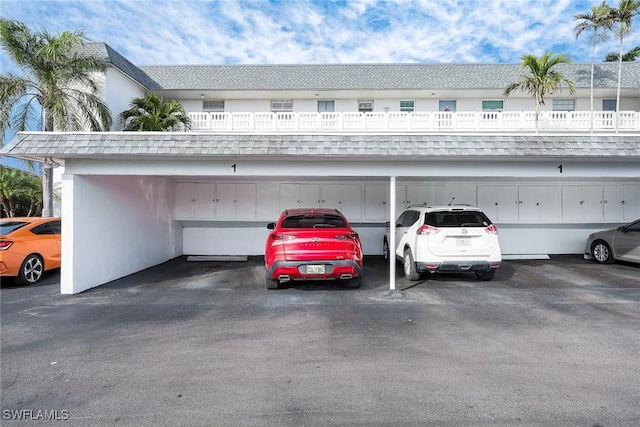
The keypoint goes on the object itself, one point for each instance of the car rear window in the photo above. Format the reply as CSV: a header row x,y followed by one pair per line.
x,y
7,227
313,221
457,219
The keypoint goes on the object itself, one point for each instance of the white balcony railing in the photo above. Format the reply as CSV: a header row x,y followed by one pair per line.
x,y
418,121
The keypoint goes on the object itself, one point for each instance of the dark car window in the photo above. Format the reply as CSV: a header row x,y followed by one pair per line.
x,y
7,227
57,227
401,218
43,229
457,219
313,221
410,218
634,226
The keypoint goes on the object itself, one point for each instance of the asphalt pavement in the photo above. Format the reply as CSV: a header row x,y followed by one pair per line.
x,y
546,343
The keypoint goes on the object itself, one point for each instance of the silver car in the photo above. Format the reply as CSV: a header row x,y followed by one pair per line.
x,y
618,244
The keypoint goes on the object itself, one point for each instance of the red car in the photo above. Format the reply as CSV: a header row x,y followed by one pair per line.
x,y
312,244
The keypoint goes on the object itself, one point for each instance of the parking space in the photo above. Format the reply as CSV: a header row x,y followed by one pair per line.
x,y
547,342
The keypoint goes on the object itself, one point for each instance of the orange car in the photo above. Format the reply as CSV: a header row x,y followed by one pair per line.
x,y
29,246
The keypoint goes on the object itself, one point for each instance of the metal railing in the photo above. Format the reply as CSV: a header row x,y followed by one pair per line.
x,y
418,121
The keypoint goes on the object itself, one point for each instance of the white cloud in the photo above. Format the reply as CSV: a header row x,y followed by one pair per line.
x,y
305,31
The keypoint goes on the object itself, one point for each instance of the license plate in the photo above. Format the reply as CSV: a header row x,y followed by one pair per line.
x,y
315,269
463,242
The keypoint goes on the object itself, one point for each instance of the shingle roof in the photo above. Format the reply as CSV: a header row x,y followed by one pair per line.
x,y
374,76
351,76
107,53
369,147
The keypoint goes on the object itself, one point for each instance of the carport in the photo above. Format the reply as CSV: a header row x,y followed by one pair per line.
x,y
120,189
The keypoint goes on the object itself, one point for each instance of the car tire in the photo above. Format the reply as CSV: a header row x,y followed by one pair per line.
x,y
409,267
385,250
485,275
354,282
272,283
31,270
601,252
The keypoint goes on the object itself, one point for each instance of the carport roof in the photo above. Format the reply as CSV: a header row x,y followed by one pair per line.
x,y
41,145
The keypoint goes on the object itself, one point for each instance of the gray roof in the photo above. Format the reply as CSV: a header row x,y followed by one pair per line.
x,y
374,76
175,145
352,76
108,54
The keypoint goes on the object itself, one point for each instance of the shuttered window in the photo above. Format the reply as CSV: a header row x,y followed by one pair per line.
x,y
365,106
217,105
564,105
282,105
407,106
493,104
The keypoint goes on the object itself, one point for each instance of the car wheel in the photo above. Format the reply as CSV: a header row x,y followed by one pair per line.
x,y
354,282
385,250
31,270
410,271
601,252
272,283
485,275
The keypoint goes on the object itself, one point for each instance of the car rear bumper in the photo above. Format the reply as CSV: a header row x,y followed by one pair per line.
x,y
10,264
297,270
456,266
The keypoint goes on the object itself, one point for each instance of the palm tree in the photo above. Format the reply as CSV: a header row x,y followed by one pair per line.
x,y
152,113
623,17
630,56
600,17
57,80
541,78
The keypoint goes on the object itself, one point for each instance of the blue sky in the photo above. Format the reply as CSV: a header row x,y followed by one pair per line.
x,y
321,31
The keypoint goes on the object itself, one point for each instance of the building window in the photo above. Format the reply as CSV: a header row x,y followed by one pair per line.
x,y
447,105
326,106
365,106
407,106
217,106
491,104
564,105
282,105
609,105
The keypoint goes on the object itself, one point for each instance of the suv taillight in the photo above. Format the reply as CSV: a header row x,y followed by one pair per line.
x,y
427,229
349,236
285,237
492,229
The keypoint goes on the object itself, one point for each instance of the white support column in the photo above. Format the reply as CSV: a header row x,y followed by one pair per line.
x,y
66,269
392,234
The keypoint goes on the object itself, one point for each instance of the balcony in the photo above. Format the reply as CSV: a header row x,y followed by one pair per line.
x,y
417,122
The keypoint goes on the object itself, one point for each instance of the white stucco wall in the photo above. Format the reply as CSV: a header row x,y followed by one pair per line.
x,y
515,102
120,91
114,226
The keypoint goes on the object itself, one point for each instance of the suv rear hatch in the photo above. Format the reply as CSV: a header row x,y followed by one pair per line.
x,y
463,234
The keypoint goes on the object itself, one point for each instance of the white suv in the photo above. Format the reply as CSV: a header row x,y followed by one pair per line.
x,y
455,238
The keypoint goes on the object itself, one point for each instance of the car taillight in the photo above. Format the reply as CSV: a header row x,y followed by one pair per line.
x,y
492,229
285,237
5,244
427,229
353,235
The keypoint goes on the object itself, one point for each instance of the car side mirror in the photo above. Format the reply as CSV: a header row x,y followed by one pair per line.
x,y
271,225
622,228
387,224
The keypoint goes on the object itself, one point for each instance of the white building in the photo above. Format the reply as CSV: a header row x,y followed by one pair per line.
x,y
346,136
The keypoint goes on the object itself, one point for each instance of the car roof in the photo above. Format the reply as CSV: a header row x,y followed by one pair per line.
x,y
445,208
298,211
29,219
